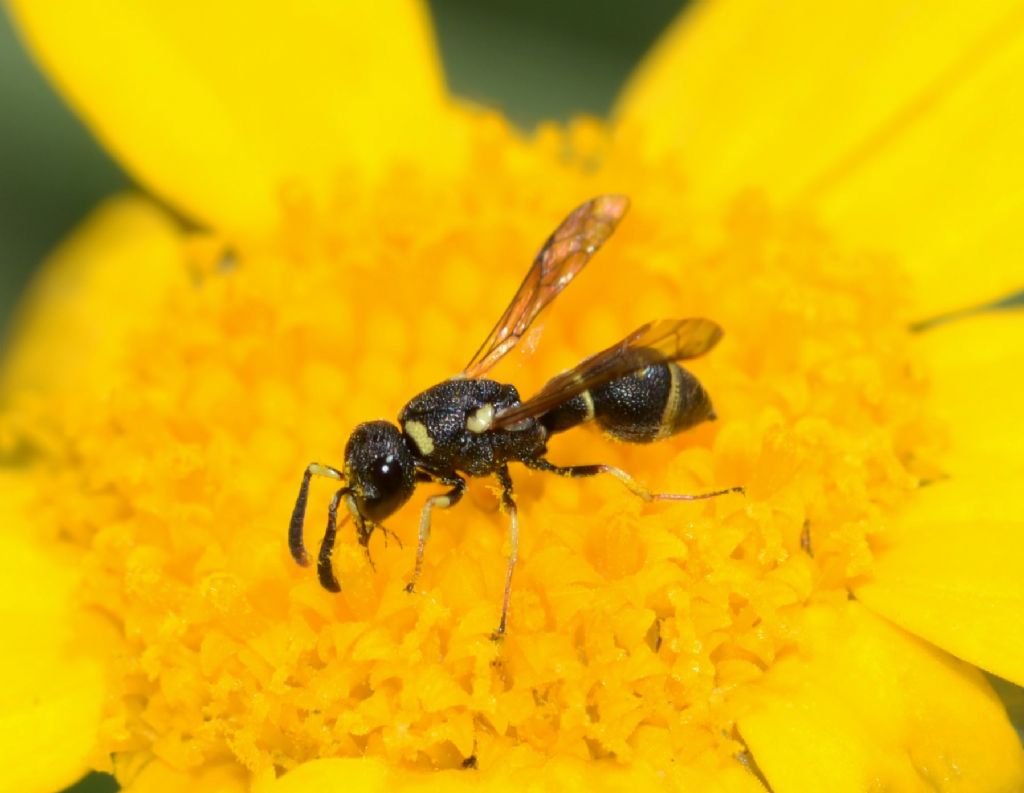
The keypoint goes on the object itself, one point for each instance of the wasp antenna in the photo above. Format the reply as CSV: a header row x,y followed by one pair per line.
x,y
295,543
298,517
323,565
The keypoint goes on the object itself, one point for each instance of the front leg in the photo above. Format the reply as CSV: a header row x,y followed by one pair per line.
x,y
444,501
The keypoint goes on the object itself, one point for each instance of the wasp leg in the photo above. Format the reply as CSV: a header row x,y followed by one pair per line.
x,y
323,562
299,513
508,502
540,464
445,500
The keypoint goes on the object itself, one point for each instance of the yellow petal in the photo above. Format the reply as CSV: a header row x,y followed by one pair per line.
x,y
53,689
863,706
370,775
227,109
977,370
944,190
92,295
150,775
949,569
900,121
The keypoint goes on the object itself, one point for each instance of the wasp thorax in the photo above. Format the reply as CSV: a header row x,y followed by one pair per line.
x,y
380,469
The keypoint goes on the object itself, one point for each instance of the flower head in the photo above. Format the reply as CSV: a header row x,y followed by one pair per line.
x,y
345,264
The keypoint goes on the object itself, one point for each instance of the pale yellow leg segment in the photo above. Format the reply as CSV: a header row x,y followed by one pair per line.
x,y
442,501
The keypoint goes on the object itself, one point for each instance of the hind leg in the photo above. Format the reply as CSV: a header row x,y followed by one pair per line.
x,y
579,471
509,504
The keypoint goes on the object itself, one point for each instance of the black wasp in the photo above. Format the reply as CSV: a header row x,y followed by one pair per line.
x,y
472,426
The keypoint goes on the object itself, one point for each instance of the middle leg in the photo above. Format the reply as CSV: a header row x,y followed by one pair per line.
x,y
576,471
444,500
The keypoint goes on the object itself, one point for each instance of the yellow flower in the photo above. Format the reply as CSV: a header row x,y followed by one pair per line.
x,y
814,177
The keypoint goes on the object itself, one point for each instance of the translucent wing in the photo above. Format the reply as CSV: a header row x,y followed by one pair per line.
x,y
565,253
655,342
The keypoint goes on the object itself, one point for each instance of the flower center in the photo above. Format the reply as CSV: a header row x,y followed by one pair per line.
x,y
632,625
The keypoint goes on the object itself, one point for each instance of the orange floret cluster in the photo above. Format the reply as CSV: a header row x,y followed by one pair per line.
x,y
632,626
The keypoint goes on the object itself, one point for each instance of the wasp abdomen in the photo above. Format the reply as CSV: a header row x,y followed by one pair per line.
x,y
647,405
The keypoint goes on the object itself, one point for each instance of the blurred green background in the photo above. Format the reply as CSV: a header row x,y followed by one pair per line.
x,y
496,52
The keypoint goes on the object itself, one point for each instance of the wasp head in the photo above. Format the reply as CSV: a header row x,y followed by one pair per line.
x,y
380,469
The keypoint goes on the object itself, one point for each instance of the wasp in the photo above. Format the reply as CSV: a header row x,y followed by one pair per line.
x,y
471,426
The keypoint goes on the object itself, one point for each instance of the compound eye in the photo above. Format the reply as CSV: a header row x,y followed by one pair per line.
x,y
388,487
387,474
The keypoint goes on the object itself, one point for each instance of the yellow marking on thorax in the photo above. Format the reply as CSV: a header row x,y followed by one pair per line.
x,y
418,432
481,420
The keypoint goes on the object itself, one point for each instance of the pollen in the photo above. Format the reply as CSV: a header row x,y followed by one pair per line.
x,y
632,625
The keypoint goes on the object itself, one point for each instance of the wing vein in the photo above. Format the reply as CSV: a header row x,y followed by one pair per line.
x,y
561,258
